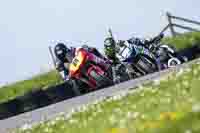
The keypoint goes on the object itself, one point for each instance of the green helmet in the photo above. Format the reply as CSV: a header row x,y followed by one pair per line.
x,y
110,48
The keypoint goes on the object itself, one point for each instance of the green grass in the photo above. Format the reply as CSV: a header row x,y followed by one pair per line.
x,y
51,78
169,105
38,82
184,41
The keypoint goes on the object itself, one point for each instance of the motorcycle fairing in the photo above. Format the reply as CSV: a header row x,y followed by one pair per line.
x,y
138,50
78,60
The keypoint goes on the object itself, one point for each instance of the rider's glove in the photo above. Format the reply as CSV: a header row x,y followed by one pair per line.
x,y
58,66
66,78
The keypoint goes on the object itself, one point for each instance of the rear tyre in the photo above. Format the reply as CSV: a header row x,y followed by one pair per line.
x,y
173,62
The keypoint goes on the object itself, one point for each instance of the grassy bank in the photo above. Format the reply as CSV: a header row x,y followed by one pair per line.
x,y
171,104
41,81
184,41
51,78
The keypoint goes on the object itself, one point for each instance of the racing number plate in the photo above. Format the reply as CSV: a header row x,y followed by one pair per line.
x,y
76,62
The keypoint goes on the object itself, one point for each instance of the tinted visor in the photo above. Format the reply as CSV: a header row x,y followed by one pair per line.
x,y
59,52
108,43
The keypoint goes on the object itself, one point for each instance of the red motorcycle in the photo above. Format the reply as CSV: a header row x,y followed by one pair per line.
x,y
84,68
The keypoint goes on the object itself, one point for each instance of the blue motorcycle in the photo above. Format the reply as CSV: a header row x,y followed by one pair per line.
x,y
138,59
135,60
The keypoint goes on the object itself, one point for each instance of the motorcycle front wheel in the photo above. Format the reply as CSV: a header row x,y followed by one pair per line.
x,y
146,64
101,80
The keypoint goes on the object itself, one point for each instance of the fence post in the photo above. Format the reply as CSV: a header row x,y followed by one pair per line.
x,y
170,24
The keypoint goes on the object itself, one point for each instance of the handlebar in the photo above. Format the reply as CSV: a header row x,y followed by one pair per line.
x,y
156,39
154,42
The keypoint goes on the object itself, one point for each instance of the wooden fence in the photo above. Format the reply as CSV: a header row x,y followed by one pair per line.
x,y
171,25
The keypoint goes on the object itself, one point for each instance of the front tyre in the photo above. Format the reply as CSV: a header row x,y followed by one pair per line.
x,y
101,80
147,64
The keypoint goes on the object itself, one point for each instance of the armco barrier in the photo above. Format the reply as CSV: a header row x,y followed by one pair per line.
x,y
36,99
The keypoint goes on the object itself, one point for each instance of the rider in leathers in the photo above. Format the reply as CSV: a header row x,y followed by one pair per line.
x,y
65,56
113,49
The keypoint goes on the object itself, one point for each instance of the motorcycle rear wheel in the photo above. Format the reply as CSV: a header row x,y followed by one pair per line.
x,y
173,62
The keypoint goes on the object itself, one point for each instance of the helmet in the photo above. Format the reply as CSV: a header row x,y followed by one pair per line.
x,y
61,51
110,48
109,42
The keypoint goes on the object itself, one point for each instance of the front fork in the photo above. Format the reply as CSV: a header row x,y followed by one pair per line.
x,y
159,64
